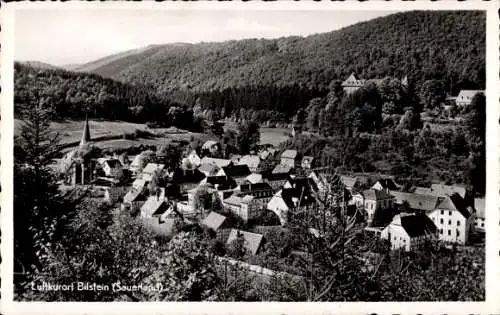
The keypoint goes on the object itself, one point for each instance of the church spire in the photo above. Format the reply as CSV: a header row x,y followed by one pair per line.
x,y
86,132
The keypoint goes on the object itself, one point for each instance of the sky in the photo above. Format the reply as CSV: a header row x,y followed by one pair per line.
x,y
62,37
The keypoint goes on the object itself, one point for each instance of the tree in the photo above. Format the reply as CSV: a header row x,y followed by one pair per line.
x,y
312,112
432,94
410,121
248,136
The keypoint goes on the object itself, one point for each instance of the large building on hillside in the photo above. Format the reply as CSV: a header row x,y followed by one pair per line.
x,y
352,83
465,97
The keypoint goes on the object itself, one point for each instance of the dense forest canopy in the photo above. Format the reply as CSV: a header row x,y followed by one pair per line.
x,y
447,46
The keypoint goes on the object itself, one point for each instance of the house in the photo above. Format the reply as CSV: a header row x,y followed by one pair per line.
x,y
211,147
262,192
209,169
235,158
254,178
372,200
246,207
237,172
290,158
465,97
350,182
479,205
215,221
275,180
192,160
454,219
150,170
307,162
187,179
218,162
408,232
352,84
252,161
155,206
252,241
136,196
415,202
282,169
441,190
287,200
223,185
385,184
111,167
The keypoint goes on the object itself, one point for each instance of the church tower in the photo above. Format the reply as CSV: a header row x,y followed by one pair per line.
x,y
86,133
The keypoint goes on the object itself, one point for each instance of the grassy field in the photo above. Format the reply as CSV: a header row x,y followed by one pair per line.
x,y
101,131
272,136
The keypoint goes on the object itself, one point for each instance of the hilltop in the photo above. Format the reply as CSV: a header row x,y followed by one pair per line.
x,y
421,44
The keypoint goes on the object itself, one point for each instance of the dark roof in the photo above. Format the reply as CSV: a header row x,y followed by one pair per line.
x,y
249,188
187,176
86,133
455,203
308,183
388,183
237,170
269,176
417,225
222,182
214,220
113,163
304,196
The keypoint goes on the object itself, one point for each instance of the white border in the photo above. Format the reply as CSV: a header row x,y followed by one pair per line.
x,y
492,305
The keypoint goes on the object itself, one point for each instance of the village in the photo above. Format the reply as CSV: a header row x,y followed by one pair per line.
x,y
245,195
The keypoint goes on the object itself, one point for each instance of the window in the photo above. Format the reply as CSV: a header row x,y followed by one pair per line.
x,y
449,222
440,231
442,211
449,232
458,223
458,233
450,212
482,224
441,221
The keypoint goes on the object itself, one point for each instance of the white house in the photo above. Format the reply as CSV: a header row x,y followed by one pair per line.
x,y
307,162
372,200
465,97
453,219
385,184
111,167
409,231
285,202
211,146
245,207
290,158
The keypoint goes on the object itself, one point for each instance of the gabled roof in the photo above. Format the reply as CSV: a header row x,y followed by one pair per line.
x,y
153,167
296,196
455,203
373,194
214,220
422,191
353,81
233,200
187,176
208,169
271,177
113,163
237,171
252,161
221,182
252,240
289,154
349,181
254,178
415,225
155,204
218,162
468,95
447,190
136,191
416,201
281,168
387,183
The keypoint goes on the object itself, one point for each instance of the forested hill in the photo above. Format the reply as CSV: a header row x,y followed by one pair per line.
x,y
73,95
421,44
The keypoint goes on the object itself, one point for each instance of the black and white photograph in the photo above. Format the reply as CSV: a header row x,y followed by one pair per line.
x,y
249,155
